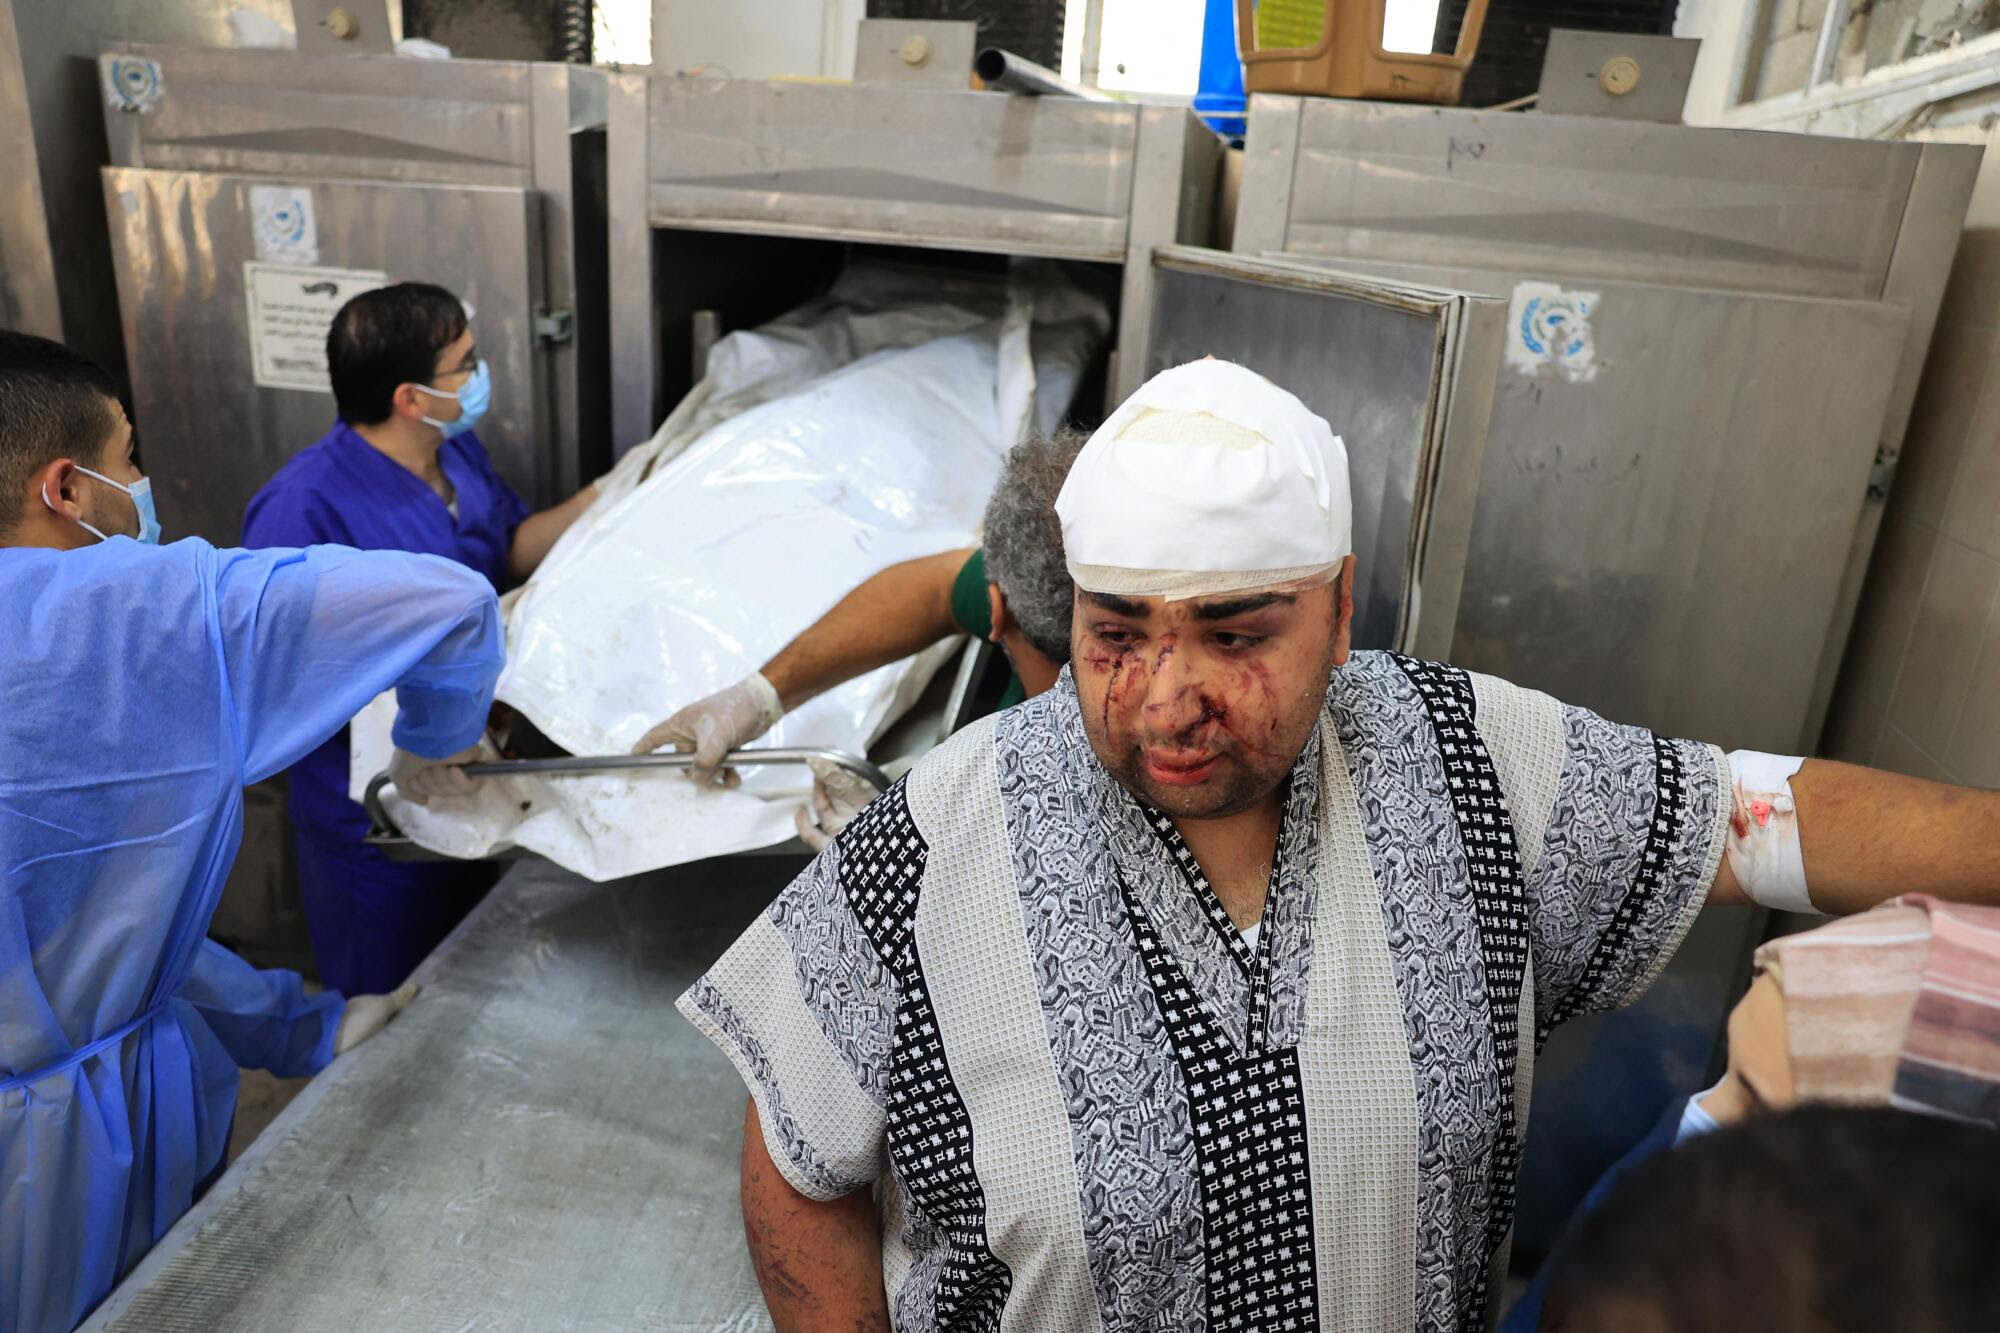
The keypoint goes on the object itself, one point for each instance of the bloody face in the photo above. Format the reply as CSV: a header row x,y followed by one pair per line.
x,y
1202,706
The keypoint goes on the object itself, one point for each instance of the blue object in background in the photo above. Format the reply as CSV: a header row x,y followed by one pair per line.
x,y
1218,94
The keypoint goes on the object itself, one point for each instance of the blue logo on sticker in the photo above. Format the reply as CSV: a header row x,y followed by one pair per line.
x,y
1549,324
132,83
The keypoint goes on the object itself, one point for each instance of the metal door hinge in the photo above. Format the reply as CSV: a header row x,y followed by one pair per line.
x,y
554,326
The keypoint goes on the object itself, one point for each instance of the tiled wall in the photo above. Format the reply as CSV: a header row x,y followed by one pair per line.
x,y
1919,691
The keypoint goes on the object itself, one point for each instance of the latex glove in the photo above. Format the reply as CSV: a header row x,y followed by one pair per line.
x,y
712,727
418,779
838,795
367,1015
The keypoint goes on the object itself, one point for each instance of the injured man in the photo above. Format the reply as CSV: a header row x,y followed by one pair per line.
x,y
1203,990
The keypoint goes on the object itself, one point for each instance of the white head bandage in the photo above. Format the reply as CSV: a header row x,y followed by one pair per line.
x,y
1209,479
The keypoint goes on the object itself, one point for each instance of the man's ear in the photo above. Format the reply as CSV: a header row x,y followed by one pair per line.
x,y
407,402
57,480
996,608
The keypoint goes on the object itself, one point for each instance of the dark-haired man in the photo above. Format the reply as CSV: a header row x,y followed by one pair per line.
x,y
141,686
401,470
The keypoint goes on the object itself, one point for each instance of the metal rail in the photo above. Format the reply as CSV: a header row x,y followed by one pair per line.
x,y
384,830
1007,72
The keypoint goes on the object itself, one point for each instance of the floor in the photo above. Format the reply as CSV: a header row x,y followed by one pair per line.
x,y
258,1102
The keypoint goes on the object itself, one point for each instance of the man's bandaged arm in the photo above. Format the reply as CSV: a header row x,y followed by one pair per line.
x,y
1861,836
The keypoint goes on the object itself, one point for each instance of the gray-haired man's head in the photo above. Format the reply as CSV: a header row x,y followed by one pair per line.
x,y
1024,546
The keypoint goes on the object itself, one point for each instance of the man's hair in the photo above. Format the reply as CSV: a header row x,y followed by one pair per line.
x,y
384,338
53,404
1820,1220
1024,545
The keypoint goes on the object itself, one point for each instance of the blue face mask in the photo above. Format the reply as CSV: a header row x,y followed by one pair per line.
x,y
141,492
472,400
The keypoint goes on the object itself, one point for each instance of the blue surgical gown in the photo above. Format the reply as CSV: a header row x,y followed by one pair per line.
x,y
373,919
141,687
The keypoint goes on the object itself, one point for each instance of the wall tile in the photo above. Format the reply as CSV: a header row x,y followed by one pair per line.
x,y
1974,750
1952,390
1972,508
1853,728
1881,633
1899,754
1972,295
1930,690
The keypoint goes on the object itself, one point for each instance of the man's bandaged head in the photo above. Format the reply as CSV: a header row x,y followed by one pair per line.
x,y
1209,479
1764,850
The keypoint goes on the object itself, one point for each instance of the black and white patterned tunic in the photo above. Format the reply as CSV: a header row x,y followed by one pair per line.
x,y
1007,998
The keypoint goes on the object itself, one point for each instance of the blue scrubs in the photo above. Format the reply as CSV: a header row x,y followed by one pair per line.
x,y
372,919
141,687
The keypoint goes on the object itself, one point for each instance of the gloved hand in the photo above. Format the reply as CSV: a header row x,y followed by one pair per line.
x,y
418,779
712,727
367,1015
838,795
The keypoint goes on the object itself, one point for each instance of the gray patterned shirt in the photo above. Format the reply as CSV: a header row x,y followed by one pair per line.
x,y
1007,999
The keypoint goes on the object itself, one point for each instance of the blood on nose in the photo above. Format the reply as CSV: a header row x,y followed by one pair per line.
x,y
1173,698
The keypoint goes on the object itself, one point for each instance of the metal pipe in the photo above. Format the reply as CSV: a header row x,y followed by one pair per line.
x,y
1092,46
1010,73
1826,52
384,826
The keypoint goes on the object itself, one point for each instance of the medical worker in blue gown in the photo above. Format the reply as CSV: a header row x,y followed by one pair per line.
x,y
401,470
141,686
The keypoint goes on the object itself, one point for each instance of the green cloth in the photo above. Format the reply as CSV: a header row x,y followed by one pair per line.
x,y
973,613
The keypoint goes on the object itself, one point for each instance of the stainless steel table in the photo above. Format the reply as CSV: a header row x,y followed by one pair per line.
x,y
540,1142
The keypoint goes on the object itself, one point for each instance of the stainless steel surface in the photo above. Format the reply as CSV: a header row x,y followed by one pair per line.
x,y
966,171
539,1142
916,53
455,126
1576,196
960,703
28,296
1384,363
377,118
347,27
211,436
1003,71
1757,294
1177,169
1640,539
637,398
53,279
1574,81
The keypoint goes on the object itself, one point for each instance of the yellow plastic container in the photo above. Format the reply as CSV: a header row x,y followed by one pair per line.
x,y
1333,48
